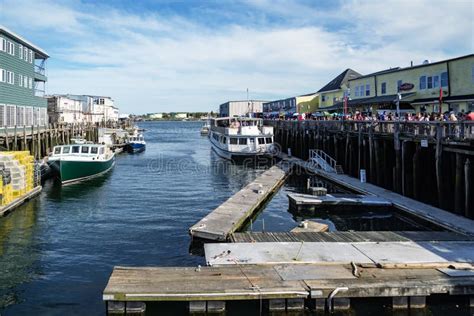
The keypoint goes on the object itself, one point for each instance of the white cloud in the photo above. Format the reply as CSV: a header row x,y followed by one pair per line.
x,y
155,62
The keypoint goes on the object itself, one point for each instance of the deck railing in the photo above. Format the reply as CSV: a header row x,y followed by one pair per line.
x,y
462,130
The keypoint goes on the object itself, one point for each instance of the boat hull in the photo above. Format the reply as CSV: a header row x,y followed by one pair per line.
x,y
135,147
238,156
74,171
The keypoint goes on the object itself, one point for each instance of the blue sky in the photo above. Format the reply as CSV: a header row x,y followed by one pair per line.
x,y
154,56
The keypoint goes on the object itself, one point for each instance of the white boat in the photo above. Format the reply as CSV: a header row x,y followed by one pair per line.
x,y
241,137
205,129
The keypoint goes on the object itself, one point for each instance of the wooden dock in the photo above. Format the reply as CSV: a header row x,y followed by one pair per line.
x,y
233,213
427,212
284,286
381,254
6,209
299,201
348,236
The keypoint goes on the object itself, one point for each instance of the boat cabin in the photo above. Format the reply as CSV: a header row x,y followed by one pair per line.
x,y
138,138
79,150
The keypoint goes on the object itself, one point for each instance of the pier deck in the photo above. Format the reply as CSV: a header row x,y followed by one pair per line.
x,y
285,286
306,201
348,236
430,213
233,213
6,209
382,254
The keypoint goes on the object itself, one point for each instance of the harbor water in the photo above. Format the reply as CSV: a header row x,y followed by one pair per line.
x,y
58,250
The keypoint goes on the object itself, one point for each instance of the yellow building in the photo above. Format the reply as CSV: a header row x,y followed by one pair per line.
x,y
306,103
333,92
419,85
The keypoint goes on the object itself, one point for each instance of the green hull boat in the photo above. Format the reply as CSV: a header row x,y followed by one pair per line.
x,y
74,163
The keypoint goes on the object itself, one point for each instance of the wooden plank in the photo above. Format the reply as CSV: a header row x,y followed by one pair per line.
x,y
343,236
233,213
195,284
306,200
393,254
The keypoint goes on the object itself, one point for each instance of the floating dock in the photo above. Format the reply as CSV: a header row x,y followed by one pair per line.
x,y
233,213
299,201
285,286
430,213
6,209
381,254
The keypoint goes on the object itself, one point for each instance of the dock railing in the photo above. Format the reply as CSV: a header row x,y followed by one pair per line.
x,y
463,130
321,160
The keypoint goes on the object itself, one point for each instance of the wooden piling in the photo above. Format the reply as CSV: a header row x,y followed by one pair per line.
x,y
468,207
458,185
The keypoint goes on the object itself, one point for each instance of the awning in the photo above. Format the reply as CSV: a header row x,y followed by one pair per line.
x,y
384,99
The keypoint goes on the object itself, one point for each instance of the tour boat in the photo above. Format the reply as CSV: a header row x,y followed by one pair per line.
x,y
241,137
136,143
80,162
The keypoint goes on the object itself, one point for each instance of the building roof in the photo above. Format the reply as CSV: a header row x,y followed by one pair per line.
x,y
343,78
24,41
397,69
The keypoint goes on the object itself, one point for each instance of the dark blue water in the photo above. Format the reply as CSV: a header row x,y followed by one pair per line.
x,y
57,251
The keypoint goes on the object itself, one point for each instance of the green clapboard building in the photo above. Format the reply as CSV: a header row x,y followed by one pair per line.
x,y
22,82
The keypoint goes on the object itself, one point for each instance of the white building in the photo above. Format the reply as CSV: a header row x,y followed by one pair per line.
x,y
62,109
71,108
240,108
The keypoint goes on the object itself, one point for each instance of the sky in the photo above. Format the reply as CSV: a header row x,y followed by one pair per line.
x,y
171,56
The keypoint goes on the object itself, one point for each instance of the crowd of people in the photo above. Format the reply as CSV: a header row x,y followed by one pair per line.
x,y
448,116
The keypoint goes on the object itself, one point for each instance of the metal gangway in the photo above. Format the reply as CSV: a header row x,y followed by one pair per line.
x,y
320,160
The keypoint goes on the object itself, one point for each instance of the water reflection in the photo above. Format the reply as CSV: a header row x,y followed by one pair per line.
x,y
17,251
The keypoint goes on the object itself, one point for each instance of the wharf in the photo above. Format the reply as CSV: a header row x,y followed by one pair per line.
x,y
284,286
348,236
430,213
381,254
233,213
299,201
6,209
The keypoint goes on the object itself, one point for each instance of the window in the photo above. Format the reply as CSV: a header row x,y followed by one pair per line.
x,y
31,56
57,150
3,75
422,82
224,140
3,45
323,98
30,83
435,81
367,89
20,115
10,117
269,140
261,141
2,115
75,149
25,51
233,141
384,87
11,48
242,141
399,83
10,77
444,79
20,80
44,116
84,149
35,116
29,116
94,150
101,151
66,150
20,51
430,82
356,91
